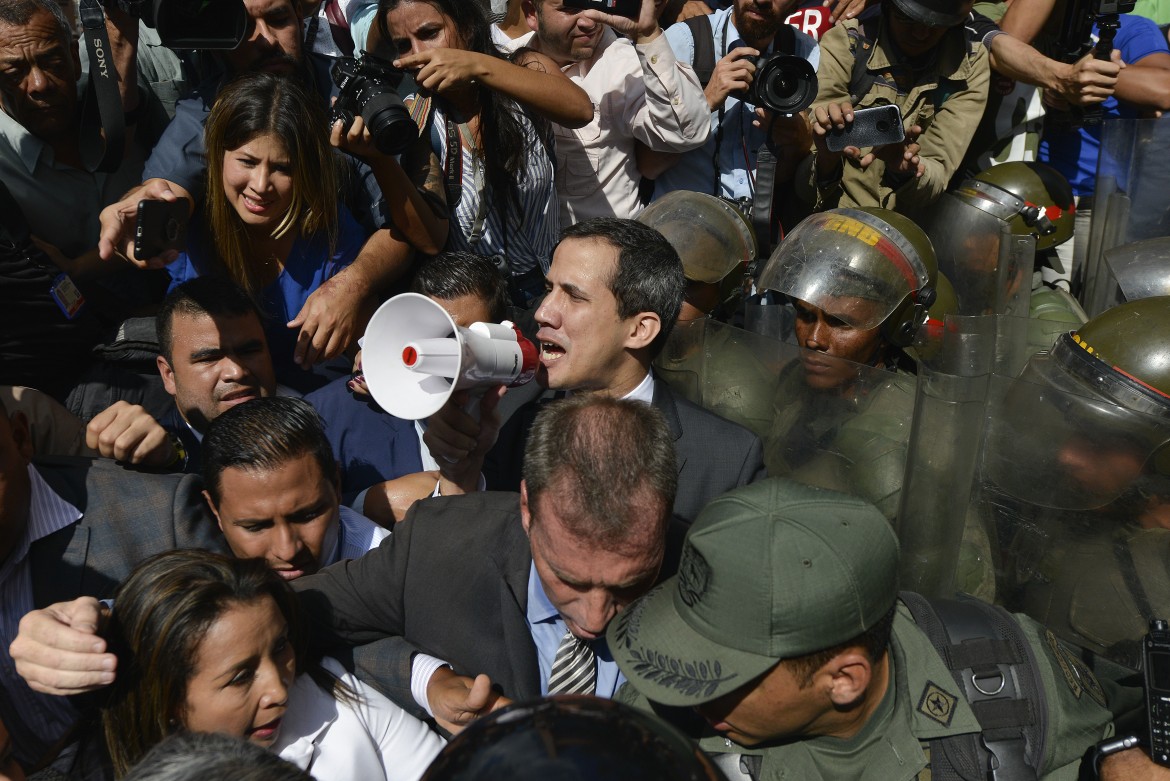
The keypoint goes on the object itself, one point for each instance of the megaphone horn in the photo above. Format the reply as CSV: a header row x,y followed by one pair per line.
x,y
414,356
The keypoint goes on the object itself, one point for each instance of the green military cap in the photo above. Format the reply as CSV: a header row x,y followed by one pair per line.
x,y
773,570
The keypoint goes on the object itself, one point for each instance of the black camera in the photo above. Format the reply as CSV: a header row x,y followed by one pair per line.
x,y
192,24
783,83
368,87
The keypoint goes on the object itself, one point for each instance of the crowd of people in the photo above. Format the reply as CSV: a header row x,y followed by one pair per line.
x,y
804,285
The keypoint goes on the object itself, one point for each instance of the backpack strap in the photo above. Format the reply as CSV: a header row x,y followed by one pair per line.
x,y
990,659
861,43
701,34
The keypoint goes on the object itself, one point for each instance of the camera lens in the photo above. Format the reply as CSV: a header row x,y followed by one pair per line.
x,y
785,84
389,123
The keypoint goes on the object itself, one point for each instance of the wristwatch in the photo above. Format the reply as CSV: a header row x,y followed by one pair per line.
x,y
1091,761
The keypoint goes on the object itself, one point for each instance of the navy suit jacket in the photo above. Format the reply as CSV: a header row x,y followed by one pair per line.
x,y
370,444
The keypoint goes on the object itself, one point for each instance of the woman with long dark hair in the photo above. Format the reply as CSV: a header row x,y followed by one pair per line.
x,y
271,219
487,130
209,643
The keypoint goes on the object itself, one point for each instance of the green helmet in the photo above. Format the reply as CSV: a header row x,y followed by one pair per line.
x,y
1129,343
1033,198
879,260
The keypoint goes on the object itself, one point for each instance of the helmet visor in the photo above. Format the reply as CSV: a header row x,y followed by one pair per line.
x,y
850,264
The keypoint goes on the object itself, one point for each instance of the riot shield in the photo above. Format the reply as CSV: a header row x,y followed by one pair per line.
x,y
849,434
1130,204
988,266
726,370
1074,492
851,437
1140,269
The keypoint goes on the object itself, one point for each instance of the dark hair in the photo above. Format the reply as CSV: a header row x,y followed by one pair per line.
x,y
18,13
649,275
451,275
261,435
197,756
597,454
258,104
873,642
161,614
211,296
506,145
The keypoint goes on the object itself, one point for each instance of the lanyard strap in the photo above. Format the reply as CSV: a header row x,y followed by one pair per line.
x,y
103,88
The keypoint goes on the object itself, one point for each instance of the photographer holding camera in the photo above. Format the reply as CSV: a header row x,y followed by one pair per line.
x,y
746,57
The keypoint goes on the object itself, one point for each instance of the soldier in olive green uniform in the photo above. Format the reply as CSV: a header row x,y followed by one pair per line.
x,y
1080,507
862,282
915,56
785,631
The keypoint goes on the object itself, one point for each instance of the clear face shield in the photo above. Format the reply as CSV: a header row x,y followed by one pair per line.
x,y
1074,492
848,263
1140,269
989,267
1069,435
710,235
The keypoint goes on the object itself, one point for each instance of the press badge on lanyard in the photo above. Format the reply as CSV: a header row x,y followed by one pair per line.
x,y
68,298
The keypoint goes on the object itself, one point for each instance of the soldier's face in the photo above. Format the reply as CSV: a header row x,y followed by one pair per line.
x,y
772,707
832,346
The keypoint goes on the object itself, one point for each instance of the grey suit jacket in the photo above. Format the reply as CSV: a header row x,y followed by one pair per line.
x,y
127,516
453,578
714,454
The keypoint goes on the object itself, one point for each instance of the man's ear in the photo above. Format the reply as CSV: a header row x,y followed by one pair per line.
x,y
850,673
644,328
167,373
529,7
22,435
214,509
525,514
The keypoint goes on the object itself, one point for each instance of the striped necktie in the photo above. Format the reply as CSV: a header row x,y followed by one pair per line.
x,y
574,669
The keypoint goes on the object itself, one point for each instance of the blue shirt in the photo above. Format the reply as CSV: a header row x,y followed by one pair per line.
x,y
43,718
740,141
308,265
547,628
1074,151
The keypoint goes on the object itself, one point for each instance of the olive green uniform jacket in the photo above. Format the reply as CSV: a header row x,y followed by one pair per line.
x,y
924,703
946,97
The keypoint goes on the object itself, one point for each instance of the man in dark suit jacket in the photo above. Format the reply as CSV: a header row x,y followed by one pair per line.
x,y
615,289
494,583
71,527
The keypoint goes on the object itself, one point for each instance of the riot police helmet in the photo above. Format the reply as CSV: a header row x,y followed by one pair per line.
x,y
1033,198
869,267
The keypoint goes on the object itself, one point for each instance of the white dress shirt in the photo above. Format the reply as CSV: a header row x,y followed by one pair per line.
x,y
639,93
336,740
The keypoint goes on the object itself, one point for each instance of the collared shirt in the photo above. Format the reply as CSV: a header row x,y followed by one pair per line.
x,y
547,628
354,536
543,619
60,203
44,718
740,141
639,93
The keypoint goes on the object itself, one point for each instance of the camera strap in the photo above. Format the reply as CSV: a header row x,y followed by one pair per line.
x,y
102,92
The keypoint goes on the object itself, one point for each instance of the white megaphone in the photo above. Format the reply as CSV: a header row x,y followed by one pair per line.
x,y
414,356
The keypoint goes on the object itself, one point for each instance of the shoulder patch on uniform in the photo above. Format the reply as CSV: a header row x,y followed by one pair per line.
x,y
1077,675
938,704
